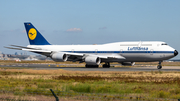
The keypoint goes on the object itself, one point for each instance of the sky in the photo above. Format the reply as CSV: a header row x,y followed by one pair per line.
x,y
90,21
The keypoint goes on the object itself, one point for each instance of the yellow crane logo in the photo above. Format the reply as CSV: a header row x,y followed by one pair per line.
x,y
32,34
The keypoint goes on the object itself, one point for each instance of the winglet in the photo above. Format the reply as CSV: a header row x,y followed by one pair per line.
x,y
35,38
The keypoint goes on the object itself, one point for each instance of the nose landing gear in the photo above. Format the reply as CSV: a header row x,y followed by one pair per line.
x,y
159,66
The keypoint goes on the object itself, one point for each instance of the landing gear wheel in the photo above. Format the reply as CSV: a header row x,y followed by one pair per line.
x,y
92,66
106,65
159,67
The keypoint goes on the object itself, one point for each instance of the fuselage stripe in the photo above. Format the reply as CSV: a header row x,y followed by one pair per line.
x,y
120,51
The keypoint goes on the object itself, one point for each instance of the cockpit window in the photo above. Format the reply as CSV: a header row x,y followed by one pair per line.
x,y
164,44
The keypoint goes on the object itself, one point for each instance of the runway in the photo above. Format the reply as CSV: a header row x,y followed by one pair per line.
x,y
70,67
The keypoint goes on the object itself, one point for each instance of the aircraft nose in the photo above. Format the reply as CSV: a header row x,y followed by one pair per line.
x,y
175,52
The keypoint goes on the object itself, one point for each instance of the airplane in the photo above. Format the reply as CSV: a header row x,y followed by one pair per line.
x,y
126,53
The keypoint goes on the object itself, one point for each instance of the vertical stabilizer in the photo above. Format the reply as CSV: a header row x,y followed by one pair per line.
x,y
35,38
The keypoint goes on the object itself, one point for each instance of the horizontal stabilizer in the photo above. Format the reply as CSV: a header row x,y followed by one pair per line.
x,y
34,50
13,48
25,47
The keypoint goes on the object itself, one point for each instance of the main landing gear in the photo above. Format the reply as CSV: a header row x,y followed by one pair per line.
x,y
159,66
92,66
106,65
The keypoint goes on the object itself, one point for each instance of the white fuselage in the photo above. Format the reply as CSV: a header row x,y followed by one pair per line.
x,y
132,51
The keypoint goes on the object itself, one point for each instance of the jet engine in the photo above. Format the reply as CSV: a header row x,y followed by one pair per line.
x,y
92,60
128,63
59,57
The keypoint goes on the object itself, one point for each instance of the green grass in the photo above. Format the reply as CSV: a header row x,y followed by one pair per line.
x,y
92,85
151,90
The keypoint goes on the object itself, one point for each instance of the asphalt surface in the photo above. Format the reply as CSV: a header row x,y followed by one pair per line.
x,y
71,68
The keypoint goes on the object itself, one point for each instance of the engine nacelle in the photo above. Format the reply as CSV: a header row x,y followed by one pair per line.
x,y
92,60
59,57
128,63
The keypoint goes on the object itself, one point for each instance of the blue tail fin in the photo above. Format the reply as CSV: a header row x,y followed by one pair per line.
x,y
35,38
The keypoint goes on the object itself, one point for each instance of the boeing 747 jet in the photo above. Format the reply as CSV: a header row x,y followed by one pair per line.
x,y
126,53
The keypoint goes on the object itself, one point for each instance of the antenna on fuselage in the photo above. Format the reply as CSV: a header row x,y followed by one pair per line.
x,y
139,45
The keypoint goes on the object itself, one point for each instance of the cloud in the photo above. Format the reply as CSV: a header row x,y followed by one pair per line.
x,y
103,28
15,31
74,30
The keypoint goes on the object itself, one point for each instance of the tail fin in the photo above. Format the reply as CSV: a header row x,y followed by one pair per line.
x,y
35,38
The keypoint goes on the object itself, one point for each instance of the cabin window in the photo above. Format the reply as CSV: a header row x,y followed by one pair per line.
x,y
164,44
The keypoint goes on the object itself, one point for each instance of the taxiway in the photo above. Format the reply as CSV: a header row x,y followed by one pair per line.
x,y
71,68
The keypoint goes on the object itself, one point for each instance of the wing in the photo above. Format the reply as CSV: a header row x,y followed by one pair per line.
x,y
80,57
71,56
